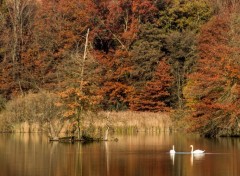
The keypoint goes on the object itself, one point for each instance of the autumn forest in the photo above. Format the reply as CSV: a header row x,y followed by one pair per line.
x,y
160,56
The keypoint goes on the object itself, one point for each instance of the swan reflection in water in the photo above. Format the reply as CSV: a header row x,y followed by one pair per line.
x,y
193,156
196,156
172,156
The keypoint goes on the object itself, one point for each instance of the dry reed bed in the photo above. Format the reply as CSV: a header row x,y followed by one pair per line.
x,y
30,112
141,121
118,121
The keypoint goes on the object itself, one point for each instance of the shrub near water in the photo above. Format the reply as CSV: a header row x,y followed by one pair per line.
x,y
30,108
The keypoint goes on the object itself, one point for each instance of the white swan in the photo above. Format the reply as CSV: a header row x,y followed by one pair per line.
x,y
172,156
196,151
172,151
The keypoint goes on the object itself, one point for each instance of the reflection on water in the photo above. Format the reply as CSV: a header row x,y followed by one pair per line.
x,y
172,156
198,156
32,154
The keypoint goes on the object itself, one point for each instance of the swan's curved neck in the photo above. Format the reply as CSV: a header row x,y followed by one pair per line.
x,y
173,147
192,148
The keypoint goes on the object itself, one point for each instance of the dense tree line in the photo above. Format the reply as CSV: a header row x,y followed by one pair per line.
x,y
141,55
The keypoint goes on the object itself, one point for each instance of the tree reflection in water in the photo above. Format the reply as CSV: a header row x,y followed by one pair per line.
x,y
141,154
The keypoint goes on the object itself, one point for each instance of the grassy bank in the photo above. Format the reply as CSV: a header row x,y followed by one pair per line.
x,y
136,121
119,122
38,113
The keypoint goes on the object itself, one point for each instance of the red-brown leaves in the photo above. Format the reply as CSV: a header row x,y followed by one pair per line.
x,y
113,81
154,97
213,90
144,10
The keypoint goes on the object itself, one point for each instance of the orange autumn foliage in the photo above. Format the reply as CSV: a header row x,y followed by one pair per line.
x,y
154,97
212,91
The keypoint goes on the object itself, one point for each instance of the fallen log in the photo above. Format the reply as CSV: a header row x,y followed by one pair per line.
x,y
84,138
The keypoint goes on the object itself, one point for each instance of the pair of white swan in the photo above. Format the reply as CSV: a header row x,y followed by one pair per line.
x,y
192,151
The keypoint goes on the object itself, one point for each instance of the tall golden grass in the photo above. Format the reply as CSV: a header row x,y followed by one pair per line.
x,y
120,122
139,121
29,113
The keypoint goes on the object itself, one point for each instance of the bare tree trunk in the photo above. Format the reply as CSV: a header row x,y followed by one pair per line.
x,y
81,86
54,129
13,11
84,59
51,132
179,88
79,124
106,134
126,19
18,11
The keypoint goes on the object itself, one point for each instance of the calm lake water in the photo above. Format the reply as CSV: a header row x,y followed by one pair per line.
x,y
132,155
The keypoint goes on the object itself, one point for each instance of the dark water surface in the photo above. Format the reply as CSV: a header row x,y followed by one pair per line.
x,y
132,155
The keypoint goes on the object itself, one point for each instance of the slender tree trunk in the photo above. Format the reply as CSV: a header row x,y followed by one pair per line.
x,y
84,59
81,86
126,19
106,134
179,88
18,11
79,123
